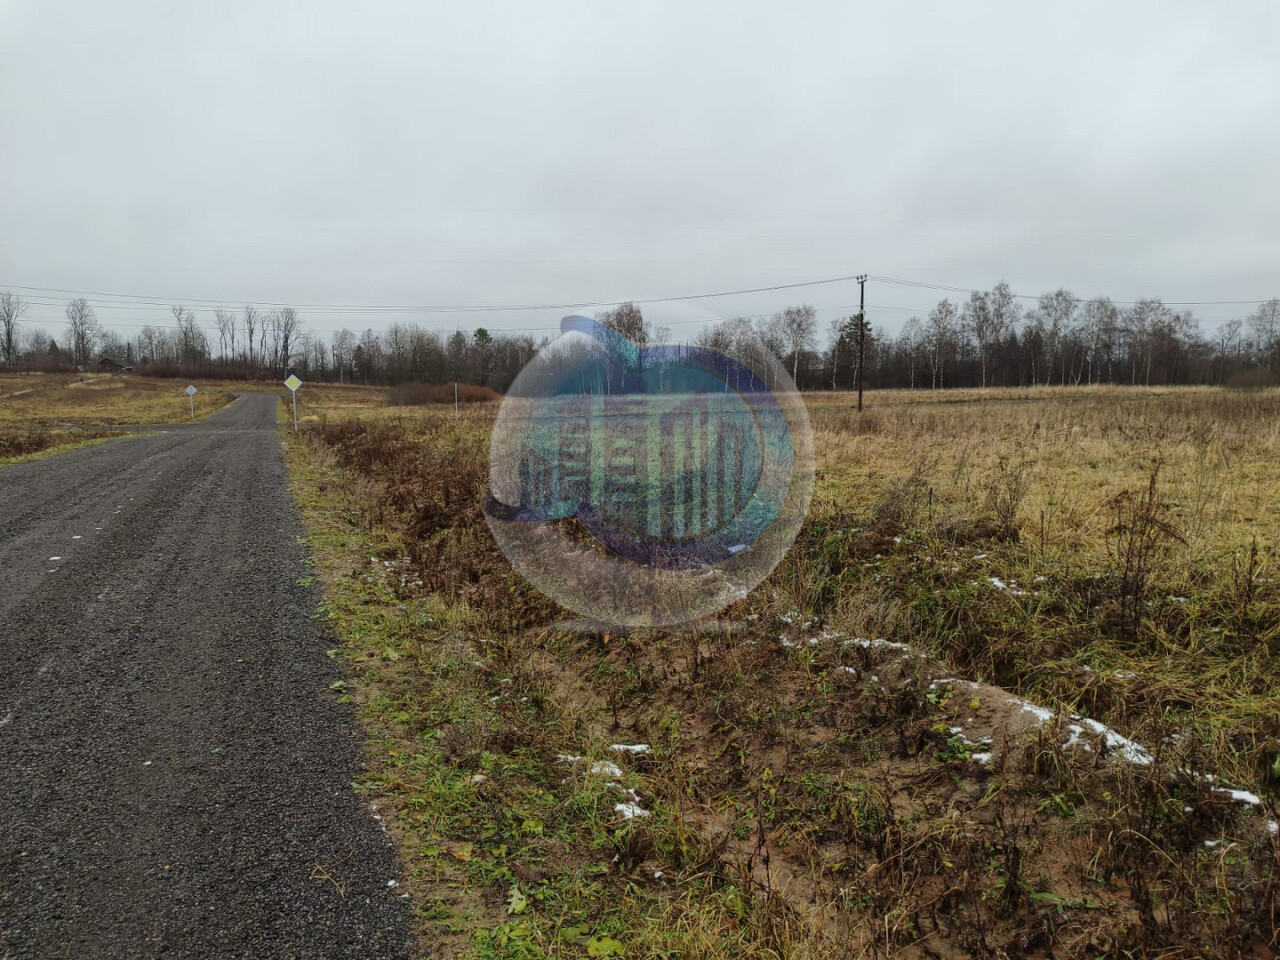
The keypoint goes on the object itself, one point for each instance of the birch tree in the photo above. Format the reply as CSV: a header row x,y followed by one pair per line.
x,y
11,308
82,331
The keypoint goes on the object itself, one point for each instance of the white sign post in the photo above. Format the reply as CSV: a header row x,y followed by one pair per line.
x,y
191,395
293,383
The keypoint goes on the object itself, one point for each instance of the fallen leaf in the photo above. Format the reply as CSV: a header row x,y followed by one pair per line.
x,y
602,946
463,852
516,901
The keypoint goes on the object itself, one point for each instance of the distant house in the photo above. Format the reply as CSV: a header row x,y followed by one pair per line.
x,y
108,365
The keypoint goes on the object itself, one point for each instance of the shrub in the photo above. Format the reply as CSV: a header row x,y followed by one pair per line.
x,y
421,394
1251,379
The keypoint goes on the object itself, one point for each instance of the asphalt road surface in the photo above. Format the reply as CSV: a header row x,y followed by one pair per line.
x,y
175,773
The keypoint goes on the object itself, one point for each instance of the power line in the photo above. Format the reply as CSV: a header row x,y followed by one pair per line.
x,y
125,301
43,297
154,301
530,330
1027,296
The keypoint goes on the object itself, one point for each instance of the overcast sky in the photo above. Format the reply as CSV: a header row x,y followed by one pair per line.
x,y
515,153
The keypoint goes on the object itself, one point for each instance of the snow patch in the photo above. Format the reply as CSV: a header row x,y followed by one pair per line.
x,y
1240,796
1010,587
1043,714
1128,750
872,644
942,681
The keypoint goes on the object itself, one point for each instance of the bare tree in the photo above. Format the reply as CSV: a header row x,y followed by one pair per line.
x,y
661,337
251,321
190,337
1005,311
845,334
265,326
33,343
940,336
989,316
1230,345
11,308
226,323
313,355
768,337
82,331
111,344
715,336
1100,321
270,333
1141,325
1056,313
797,326
149,344
344,345
368,356
909,339
1264,324
627,319
838,344
288,326
976,317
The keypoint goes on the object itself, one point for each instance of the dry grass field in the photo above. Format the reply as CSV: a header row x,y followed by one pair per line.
x,y
336,402
42,413
321,402
101,399
1014,692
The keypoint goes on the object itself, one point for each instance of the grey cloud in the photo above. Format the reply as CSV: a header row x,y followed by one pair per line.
x,y
492,152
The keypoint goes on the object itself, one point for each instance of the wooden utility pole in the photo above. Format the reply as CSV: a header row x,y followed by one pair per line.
x,y
862,332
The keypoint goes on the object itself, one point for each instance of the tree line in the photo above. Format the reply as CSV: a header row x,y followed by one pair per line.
x,y
988,339
991,340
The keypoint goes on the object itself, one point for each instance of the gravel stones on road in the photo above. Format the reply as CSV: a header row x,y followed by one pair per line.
x,y
175,774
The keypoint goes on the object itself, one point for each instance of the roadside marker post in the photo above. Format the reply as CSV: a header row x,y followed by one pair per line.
x,y
293,383
191,395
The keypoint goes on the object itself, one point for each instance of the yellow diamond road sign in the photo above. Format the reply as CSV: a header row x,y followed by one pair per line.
x,y
293,383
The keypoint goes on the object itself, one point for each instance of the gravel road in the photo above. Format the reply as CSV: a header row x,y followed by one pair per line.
x,y
175,773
